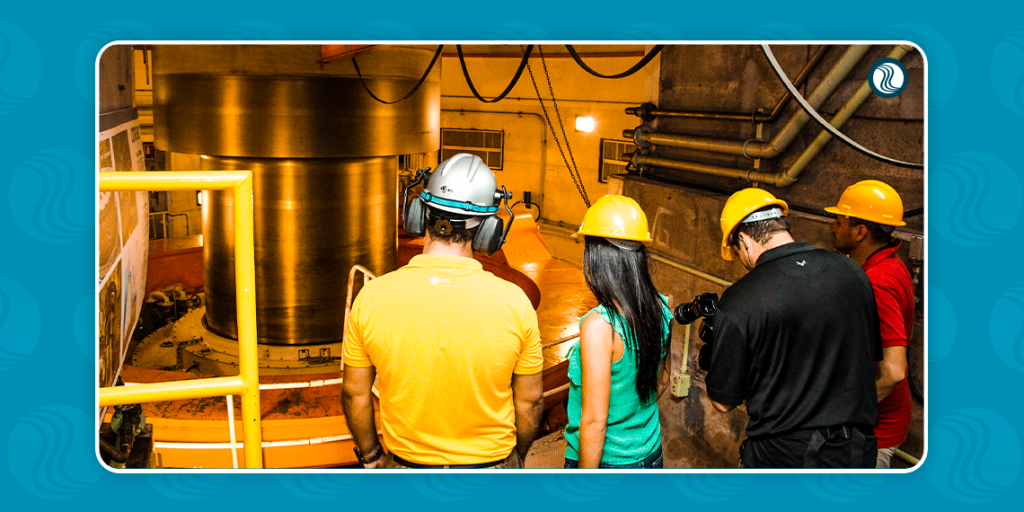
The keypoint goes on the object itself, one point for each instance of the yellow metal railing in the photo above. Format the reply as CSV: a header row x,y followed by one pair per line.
x,y
246,383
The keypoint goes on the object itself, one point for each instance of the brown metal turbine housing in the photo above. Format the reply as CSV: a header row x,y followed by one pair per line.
x,y
324,158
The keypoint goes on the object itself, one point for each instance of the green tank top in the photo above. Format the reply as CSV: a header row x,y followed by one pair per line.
x,y
634,432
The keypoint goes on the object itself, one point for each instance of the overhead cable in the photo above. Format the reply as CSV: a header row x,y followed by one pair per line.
x,y
415,87
465,72
643,62
825,124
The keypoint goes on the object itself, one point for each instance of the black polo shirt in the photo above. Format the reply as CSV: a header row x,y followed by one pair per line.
x,y
797,338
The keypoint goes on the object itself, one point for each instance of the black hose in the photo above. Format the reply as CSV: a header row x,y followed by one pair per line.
x,y
111,451
414,89
643,62
519,72
825,124
528,205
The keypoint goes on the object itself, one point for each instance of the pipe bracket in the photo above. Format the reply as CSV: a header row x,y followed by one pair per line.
x,y
748,141
639,136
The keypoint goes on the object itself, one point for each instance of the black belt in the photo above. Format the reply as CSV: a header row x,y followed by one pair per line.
x,y
445,466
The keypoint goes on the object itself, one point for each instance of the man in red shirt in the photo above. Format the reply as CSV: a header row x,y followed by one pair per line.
x,y
866,216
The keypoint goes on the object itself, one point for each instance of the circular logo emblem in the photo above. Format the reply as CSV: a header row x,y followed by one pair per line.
x,y
887,77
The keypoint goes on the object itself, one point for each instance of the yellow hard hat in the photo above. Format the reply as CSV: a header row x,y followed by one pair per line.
x,y
615,217
739,206
871,200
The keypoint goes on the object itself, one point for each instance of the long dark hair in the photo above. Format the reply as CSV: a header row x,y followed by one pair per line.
x,y
621,283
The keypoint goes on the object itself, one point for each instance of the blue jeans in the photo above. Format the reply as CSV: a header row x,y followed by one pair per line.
x,y
653,461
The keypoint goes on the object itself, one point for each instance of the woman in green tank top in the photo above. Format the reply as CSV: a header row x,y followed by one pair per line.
x,y
614,370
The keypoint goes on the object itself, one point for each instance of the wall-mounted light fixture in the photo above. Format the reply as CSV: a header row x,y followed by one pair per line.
x,y
199,197
585,124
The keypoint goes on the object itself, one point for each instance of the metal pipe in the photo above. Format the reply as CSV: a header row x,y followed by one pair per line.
x,y
910,459
245,281
266,444
691,270
561,388
187,230
753,148
534,99
231,430
169,391
790,175
648,111
714,170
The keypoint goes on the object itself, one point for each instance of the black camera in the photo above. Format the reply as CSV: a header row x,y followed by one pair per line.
x,y
703,306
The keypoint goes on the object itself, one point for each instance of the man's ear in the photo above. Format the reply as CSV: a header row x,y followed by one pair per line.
x,y
858,232
742,241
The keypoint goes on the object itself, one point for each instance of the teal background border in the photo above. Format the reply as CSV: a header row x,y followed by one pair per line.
x,y
975,55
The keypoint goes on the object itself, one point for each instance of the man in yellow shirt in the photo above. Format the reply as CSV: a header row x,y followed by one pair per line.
x,y
457,348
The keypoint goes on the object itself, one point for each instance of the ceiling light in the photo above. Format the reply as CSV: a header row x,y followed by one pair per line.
x,y
584,124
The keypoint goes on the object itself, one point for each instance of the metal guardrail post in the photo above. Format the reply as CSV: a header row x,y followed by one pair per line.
x,y
247,382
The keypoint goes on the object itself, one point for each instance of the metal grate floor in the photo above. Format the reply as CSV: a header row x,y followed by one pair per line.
x,y
547,452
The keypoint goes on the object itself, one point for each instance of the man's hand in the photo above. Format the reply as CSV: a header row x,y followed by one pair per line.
x,y
721,408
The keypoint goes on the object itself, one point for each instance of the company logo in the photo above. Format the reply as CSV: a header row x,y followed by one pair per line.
x,y
887,77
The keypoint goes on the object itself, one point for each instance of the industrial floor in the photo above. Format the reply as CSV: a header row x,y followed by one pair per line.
x,y
547,452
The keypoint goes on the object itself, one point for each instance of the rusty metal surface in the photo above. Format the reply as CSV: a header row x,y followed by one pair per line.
x,y
287,415
175,261
276,404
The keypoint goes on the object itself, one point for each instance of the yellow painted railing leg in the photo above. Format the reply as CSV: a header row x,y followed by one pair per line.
x,y
245,284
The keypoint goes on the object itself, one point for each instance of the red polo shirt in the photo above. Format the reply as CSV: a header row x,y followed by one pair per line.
x,y
894,293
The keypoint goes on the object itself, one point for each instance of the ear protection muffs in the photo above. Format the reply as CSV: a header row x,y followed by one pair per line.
x,y
489,235
415,217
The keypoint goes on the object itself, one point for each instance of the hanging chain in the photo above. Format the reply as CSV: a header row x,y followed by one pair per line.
x,y
561,125
578,181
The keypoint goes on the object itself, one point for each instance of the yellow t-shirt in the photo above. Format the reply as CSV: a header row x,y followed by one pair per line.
x,y
445,337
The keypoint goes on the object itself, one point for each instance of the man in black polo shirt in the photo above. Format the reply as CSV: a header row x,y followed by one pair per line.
x,y
797,338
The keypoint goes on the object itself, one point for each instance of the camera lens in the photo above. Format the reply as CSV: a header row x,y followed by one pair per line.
x,y
686,313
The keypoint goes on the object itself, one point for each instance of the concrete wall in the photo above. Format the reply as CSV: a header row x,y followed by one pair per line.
x,y
684,208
